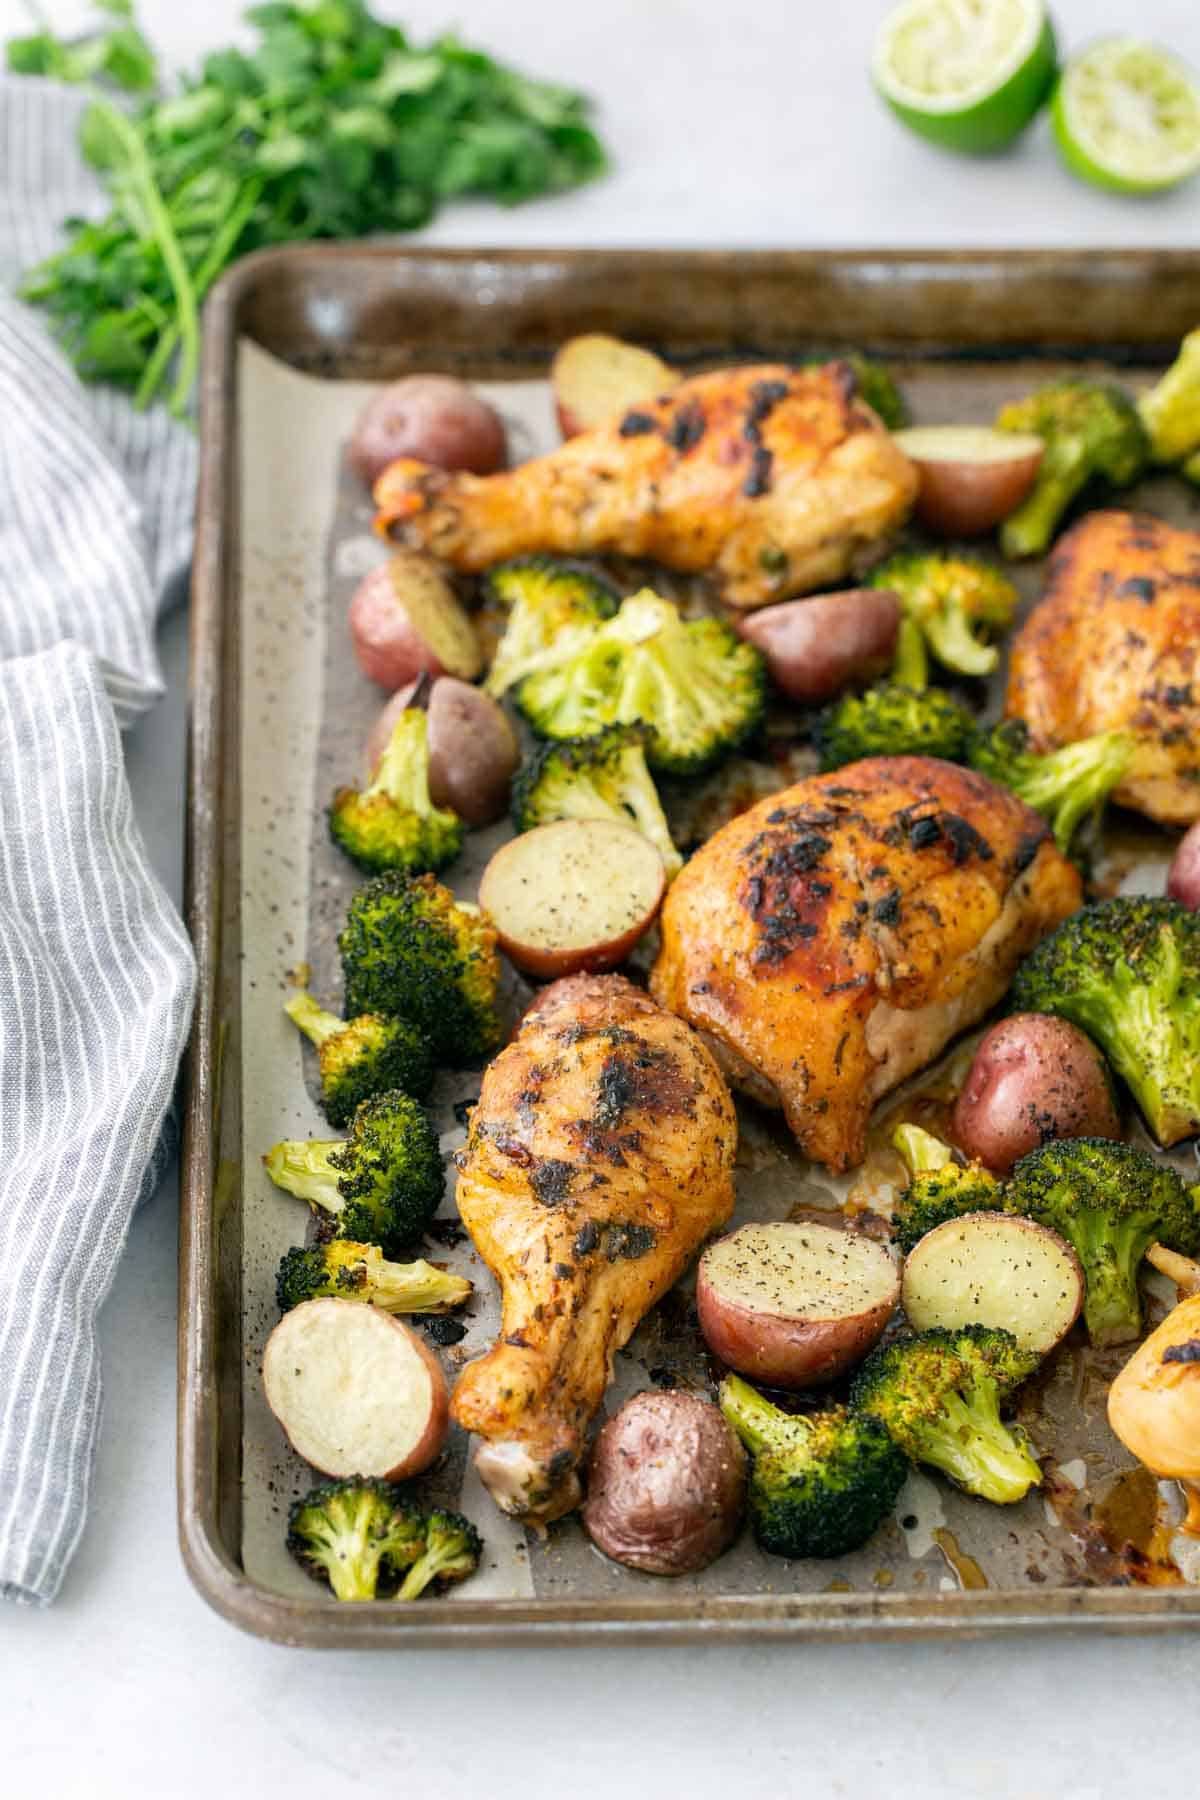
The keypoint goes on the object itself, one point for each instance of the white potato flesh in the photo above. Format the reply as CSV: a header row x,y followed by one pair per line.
x,y
596,377
576,894
801,1271
991,1269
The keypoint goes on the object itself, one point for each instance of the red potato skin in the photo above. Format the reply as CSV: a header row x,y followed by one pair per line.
x,y
1183,877
552,965
473,750
965,499
432,417
814,648
667,1484
781,1352
1033,1078
389,648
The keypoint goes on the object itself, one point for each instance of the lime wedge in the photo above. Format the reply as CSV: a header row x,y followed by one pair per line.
x,y
1126,117
966,74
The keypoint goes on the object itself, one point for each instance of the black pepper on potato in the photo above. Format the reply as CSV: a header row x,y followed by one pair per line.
x,y
1032,1079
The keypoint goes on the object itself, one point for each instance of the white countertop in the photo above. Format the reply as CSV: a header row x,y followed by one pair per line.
x,y
727,126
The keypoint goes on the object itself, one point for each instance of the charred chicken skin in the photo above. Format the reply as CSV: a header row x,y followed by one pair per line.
x,y
771,477
1115,644
834,938
599,1158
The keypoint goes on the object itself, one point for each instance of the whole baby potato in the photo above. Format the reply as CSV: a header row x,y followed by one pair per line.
x,y
472,747
1033,1078
667,1484
432,417
1183,877
814,648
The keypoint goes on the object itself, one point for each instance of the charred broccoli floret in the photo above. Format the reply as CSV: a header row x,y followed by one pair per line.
x,y
410,949
698,689
601,777
353,1534
955,603
1170,412
1111,1202
1127,971
361,1057
1065,785
1092,432
452,1551
553,609
382,1185
820,1483
393,823
890,720
347,1271
939,1186
937,1394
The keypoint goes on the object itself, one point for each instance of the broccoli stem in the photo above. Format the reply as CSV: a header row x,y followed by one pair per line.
x,y
920,1149
949,632
301,1166
1062,475
1111,1251
316,1024
911,665
403,772
970,1443
1070,783
754,1419
415,1287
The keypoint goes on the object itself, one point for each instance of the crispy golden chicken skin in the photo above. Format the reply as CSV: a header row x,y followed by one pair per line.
x,y
834,938
769,476
600,1156
1115,644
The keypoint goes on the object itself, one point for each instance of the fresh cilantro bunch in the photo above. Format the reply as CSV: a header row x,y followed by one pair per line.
x,y
334,127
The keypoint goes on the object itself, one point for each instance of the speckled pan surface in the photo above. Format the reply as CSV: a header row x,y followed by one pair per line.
x,y
280,712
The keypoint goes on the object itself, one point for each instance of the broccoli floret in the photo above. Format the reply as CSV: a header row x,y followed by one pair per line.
x,y
955,602
1063,785
361,1057
410,949
382,1185
1170,412
452,1551
1111,1202
890,720
937,1394
820,1482
354,1533
1091,431
347,1271
1127,971
393,824
939,1186
553,610
601,777
694,684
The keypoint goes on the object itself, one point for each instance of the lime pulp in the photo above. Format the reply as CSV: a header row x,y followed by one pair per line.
x,y
967,74
1126,117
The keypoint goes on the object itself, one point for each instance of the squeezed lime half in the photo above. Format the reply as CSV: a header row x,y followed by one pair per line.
x,y
1126,117
966,74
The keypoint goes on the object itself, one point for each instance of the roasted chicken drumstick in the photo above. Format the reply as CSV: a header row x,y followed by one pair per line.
x,y
771,477
834,938
599,1158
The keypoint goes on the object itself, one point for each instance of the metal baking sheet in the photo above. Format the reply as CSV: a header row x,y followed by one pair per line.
x,y
288,720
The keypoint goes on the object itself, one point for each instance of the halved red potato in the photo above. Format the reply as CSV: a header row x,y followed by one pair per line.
x,y
355,1390
792,1305
595,377
971,475
573,896
406,621
994,1269
435,418
814,648
473,748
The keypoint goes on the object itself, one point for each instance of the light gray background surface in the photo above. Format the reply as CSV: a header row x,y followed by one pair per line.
x,y
737,125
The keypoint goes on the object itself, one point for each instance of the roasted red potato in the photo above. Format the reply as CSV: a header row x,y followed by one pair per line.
x,y
473,748
573,896
355,1390
1033,1078
667,1484
405,621
1183,877
972,477
595,377
994,1269
815,648
793,1305
432,417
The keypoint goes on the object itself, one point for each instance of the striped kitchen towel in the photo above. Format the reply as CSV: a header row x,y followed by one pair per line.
x,y
96,973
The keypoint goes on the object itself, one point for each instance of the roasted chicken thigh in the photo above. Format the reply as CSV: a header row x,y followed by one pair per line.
x,y
834,938
769,476
1115,644
600,1157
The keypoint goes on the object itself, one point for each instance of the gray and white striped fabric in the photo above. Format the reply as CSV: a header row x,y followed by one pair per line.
x,y
96,973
